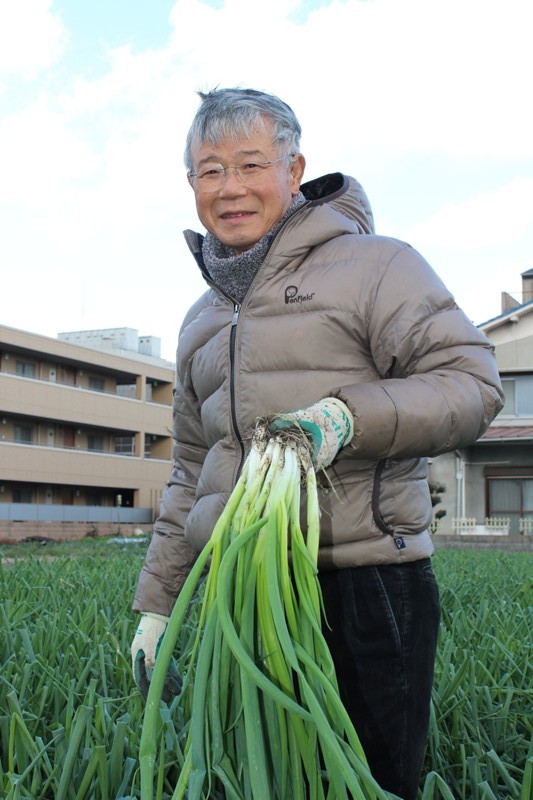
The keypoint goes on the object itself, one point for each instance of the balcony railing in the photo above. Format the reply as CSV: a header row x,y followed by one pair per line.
x,y
61,446
76,448
48,512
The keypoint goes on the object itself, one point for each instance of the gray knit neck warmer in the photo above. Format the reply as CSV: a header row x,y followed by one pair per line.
x,y
232,273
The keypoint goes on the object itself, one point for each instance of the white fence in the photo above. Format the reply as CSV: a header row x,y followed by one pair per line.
x,y
525,526
492,526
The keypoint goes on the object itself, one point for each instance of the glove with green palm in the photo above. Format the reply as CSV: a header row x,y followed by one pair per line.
x,y
144,649
329,425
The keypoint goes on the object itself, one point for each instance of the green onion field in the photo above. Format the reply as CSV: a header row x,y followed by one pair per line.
x,y
71,718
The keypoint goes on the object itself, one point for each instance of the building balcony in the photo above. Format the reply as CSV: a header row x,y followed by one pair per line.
x,y
52,401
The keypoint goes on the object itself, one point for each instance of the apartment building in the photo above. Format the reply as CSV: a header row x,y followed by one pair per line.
x,y
85,423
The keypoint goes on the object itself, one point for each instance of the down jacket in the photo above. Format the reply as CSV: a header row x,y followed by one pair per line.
x,y
334,310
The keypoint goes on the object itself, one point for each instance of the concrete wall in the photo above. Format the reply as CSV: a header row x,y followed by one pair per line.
x,y
13,532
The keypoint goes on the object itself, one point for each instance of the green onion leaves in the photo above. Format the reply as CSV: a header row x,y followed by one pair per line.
x,y
260,699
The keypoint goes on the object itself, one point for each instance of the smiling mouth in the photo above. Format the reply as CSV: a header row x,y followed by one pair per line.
x,y
236,214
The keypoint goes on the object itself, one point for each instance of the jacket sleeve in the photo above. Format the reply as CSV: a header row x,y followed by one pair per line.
x,y
438,385
170,558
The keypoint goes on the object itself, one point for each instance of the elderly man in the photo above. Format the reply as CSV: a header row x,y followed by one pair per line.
x,y
307,312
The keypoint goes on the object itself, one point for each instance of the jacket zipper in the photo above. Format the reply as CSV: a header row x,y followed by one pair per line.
x,y
233,337
399,541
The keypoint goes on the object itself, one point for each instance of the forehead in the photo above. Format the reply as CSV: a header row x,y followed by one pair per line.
x,y
258,142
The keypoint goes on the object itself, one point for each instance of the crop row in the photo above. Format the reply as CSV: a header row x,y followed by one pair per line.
x,y
71,718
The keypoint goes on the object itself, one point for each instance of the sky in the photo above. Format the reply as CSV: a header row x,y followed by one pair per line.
x,y
426,102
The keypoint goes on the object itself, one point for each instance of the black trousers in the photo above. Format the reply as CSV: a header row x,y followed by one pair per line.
x,y
382,634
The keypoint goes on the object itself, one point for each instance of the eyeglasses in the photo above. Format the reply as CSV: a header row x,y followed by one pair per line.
x,y
211,177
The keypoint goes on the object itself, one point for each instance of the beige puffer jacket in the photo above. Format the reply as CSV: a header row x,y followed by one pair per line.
x,y
333,310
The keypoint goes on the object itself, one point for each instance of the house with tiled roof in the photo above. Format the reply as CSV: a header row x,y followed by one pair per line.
x,y
490,484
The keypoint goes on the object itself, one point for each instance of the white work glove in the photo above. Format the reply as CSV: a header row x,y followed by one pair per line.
x,y
144,650
328,424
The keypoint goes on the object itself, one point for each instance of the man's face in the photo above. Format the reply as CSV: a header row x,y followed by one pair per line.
x,y
237,214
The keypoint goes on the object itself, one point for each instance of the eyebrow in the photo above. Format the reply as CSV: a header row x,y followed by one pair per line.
x,y
213,158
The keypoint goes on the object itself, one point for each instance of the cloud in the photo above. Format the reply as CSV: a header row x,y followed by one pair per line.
x,y
32,37
401,77
93,188
421,76
488,220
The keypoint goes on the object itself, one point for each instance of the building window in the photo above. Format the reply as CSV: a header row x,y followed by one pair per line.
x,y
524,395
508,387
93,498
125,445
22,495
25,369
96,384
69,436
68,376
147,446
510,497
95,441
127,390
23,434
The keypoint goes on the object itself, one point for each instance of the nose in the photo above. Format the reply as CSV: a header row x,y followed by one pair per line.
x,y
232,184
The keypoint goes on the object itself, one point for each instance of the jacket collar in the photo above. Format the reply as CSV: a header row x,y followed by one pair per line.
x,y
344,194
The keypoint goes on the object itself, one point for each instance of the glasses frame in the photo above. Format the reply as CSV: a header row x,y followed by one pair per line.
x,y
223,172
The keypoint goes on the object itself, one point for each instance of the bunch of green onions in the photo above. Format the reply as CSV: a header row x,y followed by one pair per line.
x,y
260,698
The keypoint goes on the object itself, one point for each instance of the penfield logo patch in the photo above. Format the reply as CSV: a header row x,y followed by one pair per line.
x,y
292,296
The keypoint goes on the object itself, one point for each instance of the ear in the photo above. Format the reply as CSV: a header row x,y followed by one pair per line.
x,y
297,167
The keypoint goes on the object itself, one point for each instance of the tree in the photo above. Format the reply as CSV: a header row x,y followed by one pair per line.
x,y
435,490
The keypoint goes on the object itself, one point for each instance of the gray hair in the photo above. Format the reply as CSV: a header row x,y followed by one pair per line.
x,y
231,113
